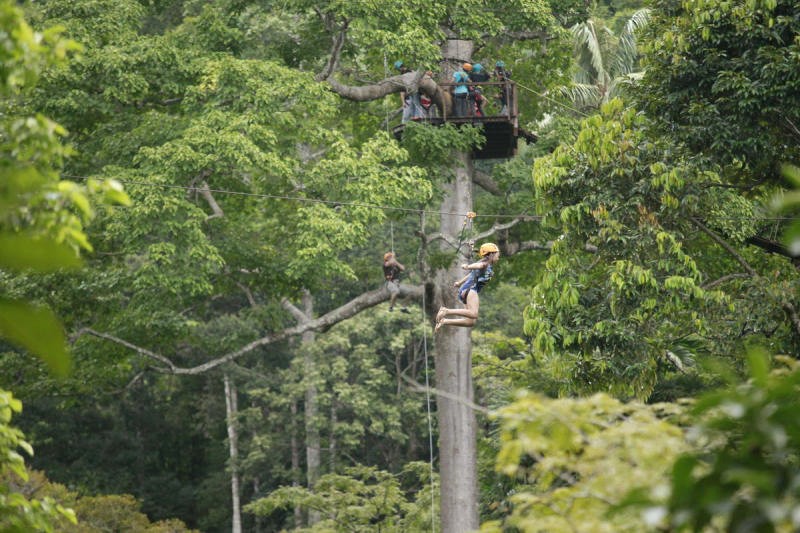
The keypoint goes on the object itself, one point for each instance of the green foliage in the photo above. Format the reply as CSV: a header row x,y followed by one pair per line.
x,y
95,514
436,145
19,514
363,499
41,218
574,460
789,202
605,62
742,475
601,321
723,80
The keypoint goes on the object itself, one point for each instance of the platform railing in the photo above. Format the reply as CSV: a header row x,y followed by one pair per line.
x,y
491,91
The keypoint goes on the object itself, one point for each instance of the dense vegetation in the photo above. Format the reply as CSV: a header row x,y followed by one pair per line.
x,y
193,210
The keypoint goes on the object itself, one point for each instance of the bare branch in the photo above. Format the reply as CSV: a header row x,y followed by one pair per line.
x,y
439,236
348,310
205,192
250,299
141,351
723,279
728,248
792,312
336,49
792,126
486,182
419,387
298,315
502,227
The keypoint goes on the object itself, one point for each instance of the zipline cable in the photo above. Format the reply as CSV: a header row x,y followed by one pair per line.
x,y
551,99
301,199
365,205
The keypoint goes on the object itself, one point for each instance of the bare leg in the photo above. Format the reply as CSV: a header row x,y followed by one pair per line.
x,y
470,314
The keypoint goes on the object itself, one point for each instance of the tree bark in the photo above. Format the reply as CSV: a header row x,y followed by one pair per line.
x,y
298,515
457,422
313,446
231,409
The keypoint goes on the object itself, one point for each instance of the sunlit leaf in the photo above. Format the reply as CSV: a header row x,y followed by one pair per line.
x,y
36,329
21,252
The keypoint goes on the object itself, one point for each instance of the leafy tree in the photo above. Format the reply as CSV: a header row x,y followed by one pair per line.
x,y
363,499
721,77
739,474
603,318
251,182
19,514
574,460
96,513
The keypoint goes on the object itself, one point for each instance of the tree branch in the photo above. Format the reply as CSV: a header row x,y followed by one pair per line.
x,y
502,227
792,312
205,192
336,49
408,82
486,182
723,279
348,310
719,240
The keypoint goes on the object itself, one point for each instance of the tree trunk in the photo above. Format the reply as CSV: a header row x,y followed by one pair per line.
x,y
333,444
295,450
231,409
457,422
313,456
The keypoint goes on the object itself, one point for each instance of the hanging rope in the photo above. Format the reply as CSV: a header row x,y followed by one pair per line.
x,y
385,106
466,228
391,232
430,423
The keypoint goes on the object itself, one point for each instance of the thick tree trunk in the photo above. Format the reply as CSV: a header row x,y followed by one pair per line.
x,y
231,409
457,422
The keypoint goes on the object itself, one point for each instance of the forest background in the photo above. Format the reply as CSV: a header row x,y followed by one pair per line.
x,y
233,364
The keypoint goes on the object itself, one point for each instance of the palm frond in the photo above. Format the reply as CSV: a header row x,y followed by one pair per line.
x,y
627,56
580,94
588,48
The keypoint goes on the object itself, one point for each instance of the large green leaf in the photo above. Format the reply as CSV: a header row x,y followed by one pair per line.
x,y
20,252
37,330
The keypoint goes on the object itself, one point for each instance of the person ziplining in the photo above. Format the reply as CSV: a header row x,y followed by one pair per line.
x,y
391,274
469,287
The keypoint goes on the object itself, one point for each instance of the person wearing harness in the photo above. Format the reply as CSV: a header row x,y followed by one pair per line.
x,y
461,91
469,286
412,108
391,273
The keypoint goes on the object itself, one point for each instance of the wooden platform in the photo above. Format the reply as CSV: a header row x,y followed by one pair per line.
x,y
501,134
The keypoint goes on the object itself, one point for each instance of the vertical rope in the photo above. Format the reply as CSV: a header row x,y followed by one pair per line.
x,y
391,232
428,401
385,106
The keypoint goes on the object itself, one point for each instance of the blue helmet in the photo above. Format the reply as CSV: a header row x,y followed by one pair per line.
x,y
500,64
477,67
398,64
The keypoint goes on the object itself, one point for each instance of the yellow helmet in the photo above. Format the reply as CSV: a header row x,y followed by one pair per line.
x,y
487,249
387,256
467,66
